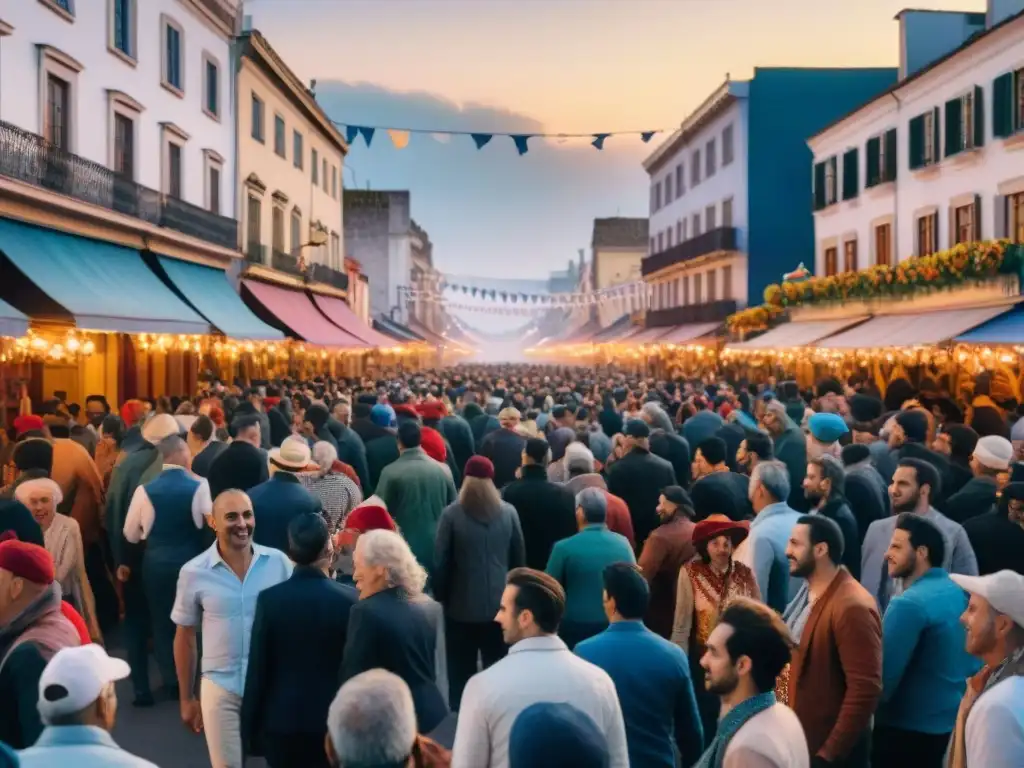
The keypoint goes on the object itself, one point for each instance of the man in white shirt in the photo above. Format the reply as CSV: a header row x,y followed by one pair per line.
x,y
219,589
539,668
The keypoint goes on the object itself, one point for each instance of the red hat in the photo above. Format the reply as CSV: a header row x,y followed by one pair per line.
x,y
28,561
131,412
370,518
407,410
217,416
432,443
714,526
432,409
28,423
481,467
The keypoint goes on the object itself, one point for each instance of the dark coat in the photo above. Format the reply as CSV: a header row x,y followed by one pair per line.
x,y
460,437
676,451
203,461
365,428
14,516
20,724
351,449
386,631
637,478
291,681
868,496
960,474
975,498
722,493
280,426
381,452
240,466
838,510
547,513
505,450
275,503
997,541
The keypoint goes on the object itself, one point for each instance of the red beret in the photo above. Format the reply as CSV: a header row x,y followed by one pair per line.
x,y
28,561
407,410
480,467
433,444
370,518
28,423
131,412
433,409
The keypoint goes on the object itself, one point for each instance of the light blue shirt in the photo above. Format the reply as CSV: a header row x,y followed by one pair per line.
x,y
210,593
81,746
764,552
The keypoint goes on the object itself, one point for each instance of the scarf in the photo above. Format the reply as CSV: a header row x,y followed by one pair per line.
x,y
34,624
1012,666
729,726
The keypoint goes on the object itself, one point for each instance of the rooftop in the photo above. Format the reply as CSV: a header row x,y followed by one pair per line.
x,y
620,232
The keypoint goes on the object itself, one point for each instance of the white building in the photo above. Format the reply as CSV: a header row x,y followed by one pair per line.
x,y
936,159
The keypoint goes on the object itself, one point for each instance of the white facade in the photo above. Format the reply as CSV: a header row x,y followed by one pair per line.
x,y
65,76
974,192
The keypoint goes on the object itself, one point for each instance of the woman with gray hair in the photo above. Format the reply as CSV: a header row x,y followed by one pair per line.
x,y
389,627
338,494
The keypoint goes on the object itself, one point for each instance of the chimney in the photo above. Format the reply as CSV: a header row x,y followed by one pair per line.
x,y
926,36
247,23
1000,10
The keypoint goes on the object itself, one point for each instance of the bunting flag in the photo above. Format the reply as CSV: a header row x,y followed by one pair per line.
x,y
400,137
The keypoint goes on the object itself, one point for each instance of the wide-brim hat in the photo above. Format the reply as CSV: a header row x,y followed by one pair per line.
x,y
293,455
714,526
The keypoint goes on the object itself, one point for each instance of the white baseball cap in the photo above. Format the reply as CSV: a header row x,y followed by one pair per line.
x,y
75,677
1003,590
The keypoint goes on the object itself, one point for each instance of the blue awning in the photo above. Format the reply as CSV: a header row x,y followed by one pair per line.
x,y
208,290
101,286
1008,328
12,322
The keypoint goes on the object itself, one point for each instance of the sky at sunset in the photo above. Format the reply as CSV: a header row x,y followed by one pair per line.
x,y
556,66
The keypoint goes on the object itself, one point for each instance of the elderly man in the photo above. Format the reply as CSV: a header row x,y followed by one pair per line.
x,y
578,564
667,549
504,447
790,447
992,456
78,703
283,497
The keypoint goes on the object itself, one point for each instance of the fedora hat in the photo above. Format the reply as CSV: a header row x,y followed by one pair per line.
x,y
293,455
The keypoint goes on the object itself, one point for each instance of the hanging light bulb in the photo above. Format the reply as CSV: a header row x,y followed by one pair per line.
x,y
88,347
73,344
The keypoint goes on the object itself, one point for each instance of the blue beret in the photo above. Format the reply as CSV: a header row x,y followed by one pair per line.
x,y
827,427
383,415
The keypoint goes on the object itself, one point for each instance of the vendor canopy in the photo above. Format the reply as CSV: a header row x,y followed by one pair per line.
x,y
12,322
796,334
1007,328
684,334
341,314
101,286
292,310
911,330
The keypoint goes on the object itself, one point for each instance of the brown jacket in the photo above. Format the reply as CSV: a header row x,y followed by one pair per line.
x,y
427,753
667,549
80,483
836,675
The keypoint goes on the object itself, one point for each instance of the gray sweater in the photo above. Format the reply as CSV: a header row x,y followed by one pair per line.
x,y
874,575
472,558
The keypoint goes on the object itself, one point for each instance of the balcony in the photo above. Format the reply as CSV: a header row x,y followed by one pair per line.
x,y
712,241
313,273
29,158
256,253
285,262
711,312
321,273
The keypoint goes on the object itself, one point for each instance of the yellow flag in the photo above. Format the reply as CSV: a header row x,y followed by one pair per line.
x,y
399,138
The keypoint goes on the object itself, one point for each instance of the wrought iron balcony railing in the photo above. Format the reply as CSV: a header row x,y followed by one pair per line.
x,y
29,158
321,273
256,253
720,239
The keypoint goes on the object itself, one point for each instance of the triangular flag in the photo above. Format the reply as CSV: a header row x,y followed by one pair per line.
x,y
481,139
520,142
442,138
399,138
367,134
351,131
598,142
647,136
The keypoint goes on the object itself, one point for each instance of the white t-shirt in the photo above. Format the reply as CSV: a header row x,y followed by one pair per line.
x,y
770,739
995,726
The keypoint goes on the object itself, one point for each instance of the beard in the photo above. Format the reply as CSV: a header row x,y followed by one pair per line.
x,y
908,505
902,571
814,496
724,685
801,568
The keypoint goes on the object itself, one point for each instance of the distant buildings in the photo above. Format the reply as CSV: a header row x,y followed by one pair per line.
x,y
937,158
618,246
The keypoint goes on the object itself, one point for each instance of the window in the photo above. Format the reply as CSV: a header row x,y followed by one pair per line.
x,y
851,176
927,234
698,289
710,158
174,170
963,223
727,212
830,181
253,226
1008,104
323,176
124,146
1015,217
686,225
277,228
657,195
654,246
850,256
335,249
121,40
296,226
56,128
279,134
173,56
883,245
213,191
712,287
924,139
668,237
316,167
63,8
709,218
334,182
668,189
211,86
831,261
686,290
257,118
297,151
695,168
965,122
679,231
680,188
881,158
727,146
696,225
727,282
661,242
825,183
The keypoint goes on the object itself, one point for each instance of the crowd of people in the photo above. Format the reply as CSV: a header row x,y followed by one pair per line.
x,y
561,566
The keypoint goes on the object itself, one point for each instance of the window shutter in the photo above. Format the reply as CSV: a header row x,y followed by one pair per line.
x,y
936,136
890,155
999,206
851,183
873,154
819,186
977,217
951,214
1002,105
916,142
979,116
935,231
952,127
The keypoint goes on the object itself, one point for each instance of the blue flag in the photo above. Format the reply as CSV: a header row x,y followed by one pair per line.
x,y
367,134
520,141
481,139
598,142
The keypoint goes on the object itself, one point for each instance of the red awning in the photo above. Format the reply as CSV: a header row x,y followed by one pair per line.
x,y
297,313
341,314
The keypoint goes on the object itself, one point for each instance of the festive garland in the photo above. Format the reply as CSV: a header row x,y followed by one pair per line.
x,y
963,263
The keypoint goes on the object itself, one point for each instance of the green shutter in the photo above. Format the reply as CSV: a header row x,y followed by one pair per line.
x,y
977,217
953,144
851,183
979,116
890,155
873,155
936,137
819,186
916,131
1002,105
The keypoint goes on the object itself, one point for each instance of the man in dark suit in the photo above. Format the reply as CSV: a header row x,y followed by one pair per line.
x,y
638,477
504,447
282,498
243,465
295,655
205,449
